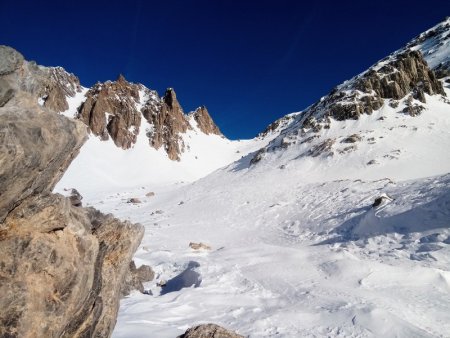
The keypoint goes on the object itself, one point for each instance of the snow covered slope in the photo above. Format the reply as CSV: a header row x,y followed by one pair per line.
x,y
102,166
294,259
297,247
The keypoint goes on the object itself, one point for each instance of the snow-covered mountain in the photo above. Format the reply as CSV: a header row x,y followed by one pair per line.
x,y
298,246
294,244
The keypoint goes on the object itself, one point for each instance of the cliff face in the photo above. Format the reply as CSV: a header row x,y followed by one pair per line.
x,y
110,111
204,121
62,268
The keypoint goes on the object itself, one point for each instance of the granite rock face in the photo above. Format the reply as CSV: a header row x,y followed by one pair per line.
x,y
169,122
204,121
209,331
110,111
62,267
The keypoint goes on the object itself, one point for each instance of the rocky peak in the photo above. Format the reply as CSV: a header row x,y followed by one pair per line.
x,y
110,111
204,121
403,78
435,46
393,78
169,122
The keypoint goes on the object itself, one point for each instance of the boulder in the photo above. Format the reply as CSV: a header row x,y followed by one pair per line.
x,y
61,267
135,278
209,331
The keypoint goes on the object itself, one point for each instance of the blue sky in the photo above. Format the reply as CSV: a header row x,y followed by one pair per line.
x,y
249,62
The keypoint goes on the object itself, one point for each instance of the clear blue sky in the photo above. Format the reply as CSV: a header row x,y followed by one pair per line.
x,y
249,62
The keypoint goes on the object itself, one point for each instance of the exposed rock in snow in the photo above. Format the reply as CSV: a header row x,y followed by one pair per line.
x,y
209,331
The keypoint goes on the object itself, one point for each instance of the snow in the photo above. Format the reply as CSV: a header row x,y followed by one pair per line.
x,y
102,166
74,102
296,252
297,249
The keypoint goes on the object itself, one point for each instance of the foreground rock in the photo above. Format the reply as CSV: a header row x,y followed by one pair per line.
x,y
62,267
209,331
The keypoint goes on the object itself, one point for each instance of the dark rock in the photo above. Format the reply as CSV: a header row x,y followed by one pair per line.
x,y
209,331
258,156
75,198
352,139
381,199
405,73
322,148
134,200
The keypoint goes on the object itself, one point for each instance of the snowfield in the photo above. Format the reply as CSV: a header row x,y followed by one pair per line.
x,y
297,248
299,251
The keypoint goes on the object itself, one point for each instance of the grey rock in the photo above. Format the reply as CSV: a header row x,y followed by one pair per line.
x,y
10,60
36,147
61,267
75,198
135,278
209,331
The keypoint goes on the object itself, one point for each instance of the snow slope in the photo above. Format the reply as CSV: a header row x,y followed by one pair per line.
x,y
291,258
297,250
102,166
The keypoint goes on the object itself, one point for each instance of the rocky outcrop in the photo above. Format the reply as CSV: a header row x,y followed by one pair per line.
x,y
204,121
433,44
52,85
404,77
110,111
168,122
62,267
135,278
393,78
58,88
209,331
33,170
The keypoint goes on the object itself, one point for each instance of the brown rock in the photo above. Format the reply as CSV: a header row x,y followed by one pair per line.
x,y
168,122
135,277
199,246
110,110
61,267
36,147
204,121
209,331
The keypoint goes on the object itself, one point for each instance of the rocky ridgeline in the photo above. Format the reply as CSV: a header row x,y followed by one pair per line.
x,y
62,267
112,109
404,78
434,44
